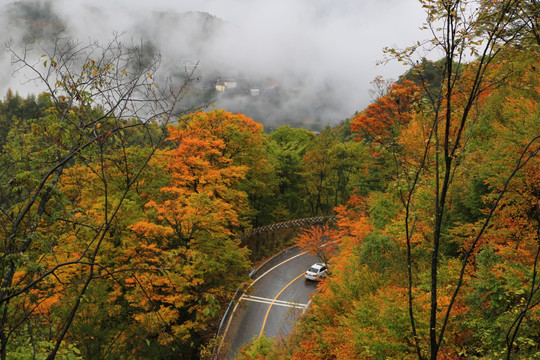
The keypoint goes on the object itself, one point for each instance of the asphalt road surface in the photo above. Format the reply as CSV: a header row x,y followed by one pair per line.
x,y
278,295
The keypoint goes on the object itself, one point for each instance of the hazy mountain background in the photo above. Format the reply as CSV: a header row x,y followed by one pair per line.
x,y
312,60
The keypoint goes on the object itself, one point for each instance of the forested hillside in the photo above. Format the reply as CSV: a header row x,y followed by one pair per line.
x,y
121,221
440,259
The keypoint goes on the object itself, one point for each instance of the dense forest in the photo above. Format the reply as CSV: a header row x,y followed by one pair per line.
x,y
440,259
121,220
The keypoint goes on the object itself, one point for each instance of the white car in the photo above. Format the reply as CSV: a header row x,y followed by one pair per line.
x,y
316,271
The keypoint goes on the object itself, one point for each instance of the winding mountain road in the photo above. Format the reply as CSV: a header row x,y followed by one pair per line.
x,y
278,295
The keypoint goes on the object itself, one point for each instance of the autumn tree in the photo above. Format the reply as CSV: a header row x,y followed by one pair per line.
x,y
99,94
458,28
185,245
381,122
380,127
318,241
512,241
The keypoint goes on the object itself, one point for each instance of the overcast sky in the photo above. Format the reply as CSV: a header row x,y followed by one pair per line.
x,y
333,45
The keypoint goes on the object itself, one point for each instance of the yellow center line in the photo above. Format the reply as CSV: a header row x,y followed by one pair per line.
x,y
279,293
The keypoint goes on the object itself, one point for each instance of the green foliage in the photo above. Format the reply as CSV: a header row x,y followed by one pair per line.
x,y
259,347
382,210
380,253
428,74
331,171
497,295
22,348
286,148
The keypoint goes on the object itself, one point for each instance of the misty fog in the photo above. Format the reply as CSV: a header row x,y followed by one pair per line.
x,y
304,62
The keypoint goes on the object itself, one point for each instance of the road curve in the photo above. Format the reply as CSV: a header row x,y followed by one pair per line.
x,y
278,295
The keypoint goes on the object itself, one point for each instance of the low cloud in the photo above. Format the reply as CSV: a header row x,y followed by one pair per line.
x,y
321,53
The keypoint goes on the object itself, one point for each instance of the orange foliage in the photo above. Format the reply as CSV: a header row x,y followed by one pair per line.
x,y
382,119
318,241
353,221
200,196
361,311
185,241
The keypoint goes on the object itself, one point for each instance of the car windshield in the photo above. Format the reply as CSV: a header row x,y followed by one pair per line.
x,y
313,270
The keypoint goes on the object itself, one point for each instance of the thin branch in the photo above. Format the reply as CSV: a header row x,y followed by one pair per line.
x,y
521,162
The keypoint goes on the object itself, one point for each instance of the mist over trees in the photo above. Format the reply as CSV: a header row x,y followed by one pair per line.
x,y
124,195
305,71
